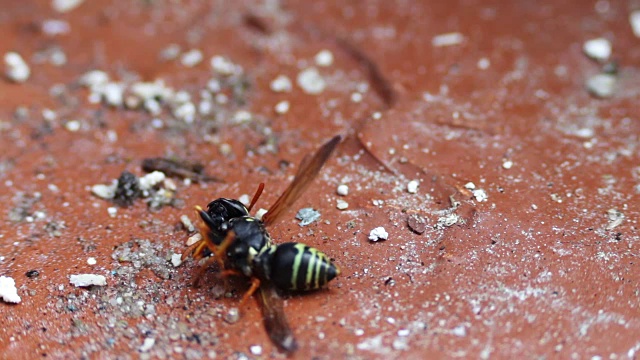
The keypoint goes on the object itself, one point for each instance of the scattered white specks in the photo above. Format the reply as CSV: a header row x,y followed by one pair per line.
x,y
378,234
282,107
186,222
65,5
87,280
176,260
598,49
507,164
634,20
112,211
602,85
341,204
91,261
343,190
448,39
412,186
72,125
16,68
256,349
324,58
150,180
282,83
310,81
8,290
191,58
244,198
484,63
105,191
260,213
194,239
147,344
615,218
480,195
224,66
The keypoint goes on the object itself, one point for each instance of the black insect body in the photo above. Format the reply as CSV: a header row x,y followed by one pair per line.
x,y
241,245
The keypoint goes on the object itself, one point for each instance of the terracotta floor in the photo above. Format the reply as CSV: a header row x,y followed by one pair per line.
x,y
539,259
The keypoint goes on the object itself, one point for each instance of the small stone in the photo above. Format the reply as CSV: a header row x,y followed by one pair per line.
x,y
412,186
232,316
87,280
507,164
91,261
63,6
378,234
281,83
194,239
602,85
176,260
417,223
8,290
256,349
342,205
598,49
112,211
191,58
324,58
480,195
343,190
244,198
282,107
104,191
260,213
310,81
307,216
150,180
448,39
224,66
634,20
17,69
147,344
73,125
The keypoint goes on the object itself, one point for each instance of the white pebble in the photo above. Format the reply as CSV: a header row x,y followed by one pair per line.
x,y
324,58
176,259
483,63
602,85
480,195
152,179
73,125
256,349
147,344
507,164
342,205
87,280
244,198
310,81
224,66
113,94
186,222
112,211
448,39
470,185
194,239
94,78
8,290
91,261
412,186
54,27
105,191
378,233
634,20
191,58
260,213
17,69
343,190
65,5
282,107
281,84
598,49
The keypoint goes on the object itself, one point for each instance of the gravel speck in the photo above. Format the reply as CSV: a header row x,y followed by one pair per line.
x,y
232,316
341,204
602,85
16,68
507,164
91,261
307,216
63,6
448,39
412,186
310,81
113,211
324,58
378,234
176,259
256,349
87,280
147,344
282,107
634,20
342,190
598,49
8,290
281,83
191,58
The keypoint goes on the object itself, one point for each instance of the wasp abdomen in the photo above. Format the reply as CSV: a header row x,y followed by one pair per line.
x,y
296,266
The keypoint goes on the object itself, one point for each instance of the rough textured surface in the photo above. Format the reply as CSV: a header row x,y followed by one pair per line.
x,y
446,93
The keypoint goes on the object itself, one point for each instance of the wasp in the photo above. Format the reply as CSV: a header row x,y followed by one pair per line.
x,y
241,245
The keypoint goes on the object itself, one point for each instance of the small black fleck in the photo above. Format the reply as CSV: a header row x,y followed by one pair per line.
x,y
32,273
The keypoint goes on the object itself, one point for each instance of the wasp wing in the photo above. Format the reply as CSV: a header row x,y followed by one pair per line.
x,y
275,321
309,168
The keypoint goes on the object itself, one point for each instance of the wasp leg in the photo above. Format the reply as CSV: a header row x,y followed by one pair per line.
x,y
256,196
255,284
202,270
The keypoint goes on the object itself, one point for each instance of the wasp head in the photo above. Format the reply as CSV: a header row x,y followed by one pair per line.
x,y
222,210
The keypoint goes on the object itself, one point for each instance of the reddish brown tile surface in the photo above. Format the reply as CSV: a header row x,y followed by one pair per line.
x,y
541,268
